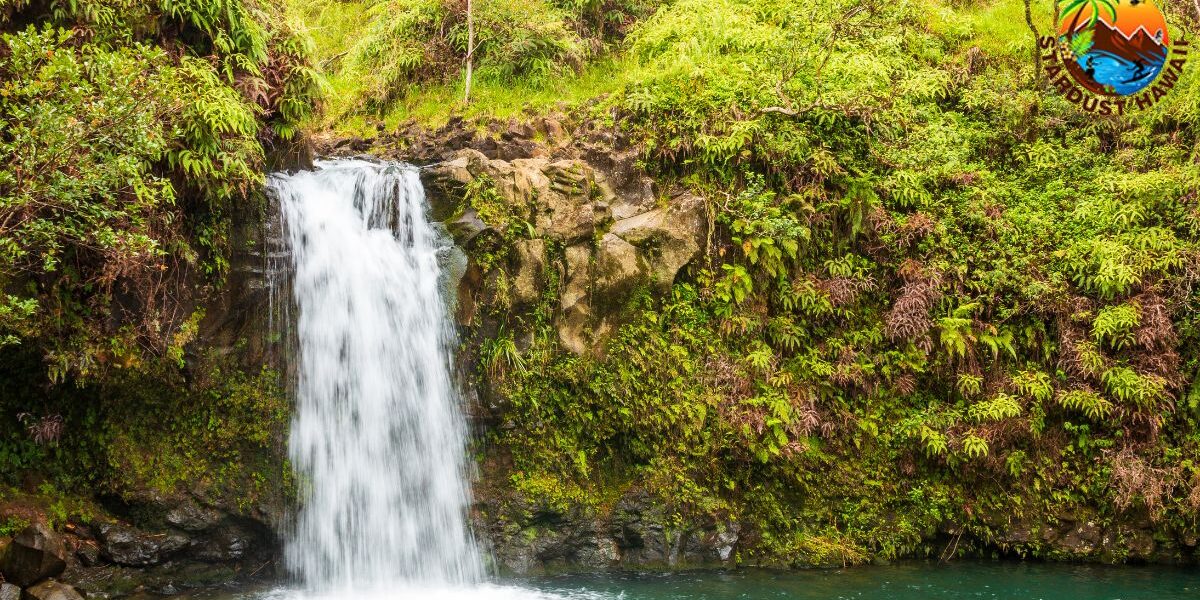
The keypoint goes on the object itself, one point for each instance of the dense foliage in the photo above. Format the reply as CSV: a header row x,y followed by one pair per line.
x,y
381,50
130,131
131,135
939,297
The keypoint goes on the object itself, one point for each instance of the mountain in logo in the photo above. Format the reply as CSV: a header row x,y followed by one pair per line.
x,y
1140,45
1115,54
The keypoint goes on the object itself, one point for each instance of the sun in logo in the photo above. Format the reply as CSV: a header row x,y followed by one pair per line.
x,y
1113,47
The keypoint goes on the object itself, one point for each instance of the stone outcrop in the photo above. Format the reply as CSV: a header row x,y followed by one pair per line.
x,y
585,235
178,528
1130,537
167,542
35,554
124,545
525,539
608,244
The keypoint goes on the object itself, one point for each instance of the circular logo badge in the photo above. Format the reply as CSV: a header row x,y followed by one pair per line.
x,y
1113,47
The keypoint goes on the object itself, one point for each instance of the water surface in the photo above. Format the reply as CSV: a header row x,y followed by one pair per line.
x,y
916,581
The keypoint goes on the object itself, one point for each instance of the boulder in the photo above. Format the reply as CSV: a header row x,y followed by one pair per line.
x,y
466,227
445,181
530,260
9,591
725,541
668,238
225,545
88,554
35,554
558,195
131,547
619,269
51,590
564,206
1140,544
615,240
574,301
1082,539
553,129
190,516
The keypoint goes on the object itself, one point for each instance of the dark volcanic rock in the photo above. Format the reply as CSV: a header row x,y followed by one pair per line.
x,y
1082,539
189,516
527,538
35,554
131,547
227,544
88,555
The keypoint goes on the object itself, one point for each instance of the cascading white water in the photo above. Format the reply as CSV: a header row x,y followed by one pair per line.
x,y
378,437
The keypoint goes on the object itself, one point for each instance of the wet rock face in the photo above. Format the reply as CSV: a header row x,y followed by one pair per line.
x,y
528,539
192,517
1131,537
612,235
240,321
131,547
207,536
35,554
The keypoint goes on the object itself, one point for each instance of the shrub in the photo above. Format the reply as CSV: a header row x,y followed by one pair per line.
x,y
413,41
121,161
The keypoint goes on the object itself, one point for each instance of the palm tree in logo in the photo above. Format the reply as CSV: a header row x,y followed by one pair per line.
x,y
1080,42
1096,5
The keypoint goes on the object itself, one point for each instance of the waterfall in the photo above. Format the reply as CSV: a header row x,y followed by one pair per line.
x,y
378,439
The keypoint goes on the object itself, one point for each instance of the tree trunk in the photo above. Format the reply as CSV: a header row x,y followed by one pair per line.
x,y
470,52
1037,49
1074,23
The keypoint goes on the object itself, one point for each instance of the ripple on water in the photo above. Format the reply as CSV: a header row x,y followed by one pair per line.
x,y
407,592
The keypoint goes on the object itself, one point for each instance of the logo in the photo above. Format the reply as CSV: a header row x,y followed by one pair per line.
x,y
1113,55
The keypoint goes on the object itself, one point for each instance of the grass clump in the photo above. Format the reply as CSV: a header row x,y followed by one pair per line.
x,y
408,60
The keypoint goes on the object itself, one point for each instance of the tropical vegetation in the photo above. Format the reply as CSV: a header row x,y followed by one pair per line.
x,y
935,291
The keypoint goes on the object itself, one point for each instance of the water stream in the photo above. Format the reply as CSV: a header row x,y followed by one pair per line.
x,y
378,438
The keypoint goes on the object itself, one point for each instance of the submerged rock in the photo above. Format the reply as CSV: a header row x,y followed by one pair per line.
x,y
9,591
35,554
51,590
